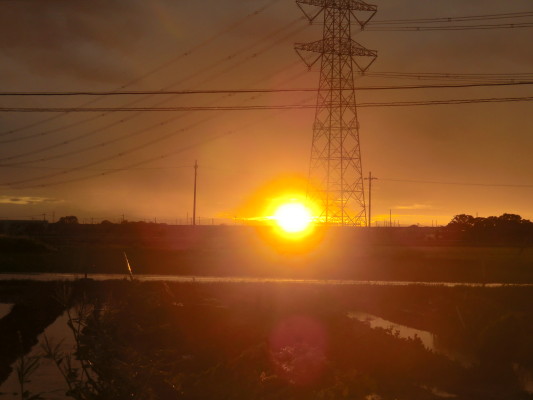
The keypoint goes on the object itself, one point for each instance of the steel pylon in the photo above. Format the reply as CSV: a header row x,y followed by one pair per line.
x,y
335,170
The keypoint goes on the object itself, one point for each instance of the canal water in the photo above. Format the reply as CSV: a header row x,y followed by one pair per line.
x,y
244,279
429,340
5,308
47,378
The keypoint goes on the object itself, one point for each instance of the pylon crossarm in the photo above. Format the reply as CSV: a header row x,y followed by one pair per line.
x,y
310,16
363,68
344,47
352,5
301,50
362,23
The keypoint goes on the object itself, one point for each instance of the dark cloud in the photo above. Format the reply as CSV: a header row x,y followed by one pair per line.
x,y
26,200
75,37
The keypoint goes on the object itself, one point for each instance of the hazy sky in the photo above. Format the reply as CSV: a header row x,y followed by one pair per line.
x,y
71,45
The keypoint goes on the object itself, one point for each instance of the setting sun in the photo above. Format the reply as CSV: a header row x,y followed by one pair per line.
x,y
293,217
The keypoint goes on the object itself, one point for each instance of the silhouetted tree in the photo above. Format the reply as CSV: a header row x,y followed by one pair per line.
x,y
68,220
462,222
505,229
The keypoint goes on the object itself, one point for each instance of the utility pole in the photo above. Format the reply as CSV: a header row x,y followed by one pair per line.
x,y
335,171
194,197
390,218
370,179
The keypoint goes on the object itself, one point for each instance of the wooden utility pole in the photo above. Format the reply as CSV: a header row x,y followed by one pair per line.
x,y
370,179
194,197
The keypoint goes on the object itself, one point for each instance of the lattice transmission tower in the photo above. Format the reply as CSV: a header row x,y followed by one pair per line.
x,y
335,171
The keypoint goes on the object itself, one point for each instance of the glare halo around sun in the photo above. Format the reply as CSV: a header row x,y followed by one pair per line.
x,y
293,217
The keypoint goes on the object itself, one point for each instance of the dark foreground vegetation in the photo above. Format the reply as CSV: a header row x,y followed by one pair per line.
x,y
274,341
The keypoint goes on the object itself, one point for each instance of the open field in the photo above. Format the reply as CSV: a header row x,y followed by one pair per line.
x,y
229,251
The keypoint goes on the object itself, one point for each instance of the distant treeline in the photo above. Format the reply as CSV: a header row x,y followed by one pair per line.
x,y
507,229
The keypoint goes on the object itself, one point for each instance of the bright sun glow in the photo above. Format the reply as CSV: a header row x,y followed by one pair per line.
x,y
293,217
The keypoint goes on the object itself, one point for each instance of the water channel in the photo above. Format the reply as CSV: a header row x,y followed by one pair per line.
x,y
245,279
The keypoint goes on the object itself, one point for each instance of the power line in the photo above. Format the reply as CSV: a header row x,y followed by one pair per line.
x,y
100,145
451,27
448,102
449,78
241,91
17,166
260,107
446,77
130,166
463,101
506,75
458,183
112,170
454,19
142,146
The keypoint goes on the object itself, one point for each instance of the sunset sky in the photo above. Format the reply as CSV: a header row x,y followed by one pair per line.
x,y
432,162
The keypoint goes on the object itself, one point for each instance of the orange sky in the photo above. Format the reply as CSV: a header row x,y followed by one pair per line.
x,y
61,45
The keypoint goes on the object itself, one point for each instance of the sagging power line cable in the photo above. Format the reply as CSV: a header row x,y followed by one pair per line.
x,y
118,155
301,106
458,183
128,135
136,164
519,25
453,77
19,182
262,107
241,91
482,17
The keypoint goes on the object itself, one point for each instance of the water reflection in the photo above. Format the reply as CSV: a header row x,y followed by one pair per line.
x,y
246,279
429,340
5,308
46,379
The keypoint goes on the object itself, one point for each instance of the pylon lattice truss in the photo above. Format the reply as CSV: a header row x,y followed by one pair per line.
x,y
335,171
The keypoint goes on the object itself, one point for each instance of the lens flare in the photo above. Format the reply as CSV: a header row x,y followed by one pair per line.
x,y
293,217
